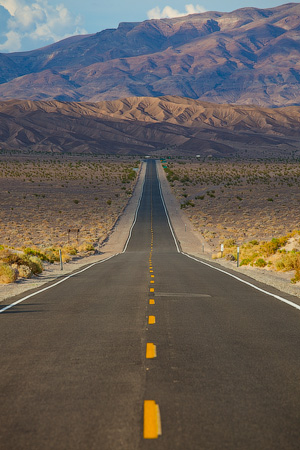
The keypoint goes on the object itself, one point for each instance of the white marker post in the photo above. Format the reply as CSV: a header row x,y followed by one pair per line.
x,y
238,257
222,250
60,260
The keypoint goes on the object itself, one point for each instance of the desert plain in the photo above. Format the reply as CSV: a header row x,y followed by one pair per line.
x,y
46,199
238,199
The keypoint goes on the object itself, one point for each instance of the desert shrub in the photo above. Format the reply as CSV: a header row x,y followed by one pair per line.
x,y
70,250
245,262
7,257
229,243
24,271
186,204
40,254
87,247
7,274
34,263
289,261
271,247
296,278
260,262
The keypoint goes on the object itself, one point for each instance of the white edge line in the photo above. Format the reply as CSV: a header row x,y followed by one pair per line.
x,y
167,214
135,216
55,284
282,299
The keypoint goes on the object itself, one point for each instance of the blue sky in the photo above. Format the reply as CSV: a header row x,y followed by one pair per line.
x,y
30,24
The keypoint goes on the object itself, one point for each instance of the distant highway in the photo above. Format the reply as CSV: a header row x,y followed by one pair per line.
x,y
150,350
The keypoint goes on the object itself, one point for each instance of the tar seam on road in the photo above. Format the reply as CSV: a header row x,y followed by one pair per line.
x,y
282,299
55,284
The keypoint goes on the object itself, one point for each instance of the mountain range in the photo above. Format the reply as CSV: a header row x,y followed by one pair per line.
x,y
149,125
248,56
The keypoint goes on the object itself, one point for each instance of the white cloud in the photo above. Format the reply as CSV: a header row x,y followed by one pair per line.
x,y
12,43
10,5
37,20
169,12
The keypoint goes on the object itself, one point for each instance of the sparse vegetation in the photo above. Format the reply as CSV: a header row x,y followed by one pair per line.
x,y
45,201
250,204
48,196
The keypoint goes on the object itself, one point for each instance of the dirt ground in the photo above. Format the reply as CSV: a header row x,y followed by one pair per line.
x,y
240,200
45,200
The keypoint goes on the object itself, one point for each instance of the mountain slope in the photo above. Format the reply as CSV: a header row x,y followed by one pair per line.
x,y
248,56
145,125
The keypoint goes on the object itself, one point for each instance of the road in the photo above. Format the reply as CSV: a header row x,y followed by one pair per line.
x,y
74,372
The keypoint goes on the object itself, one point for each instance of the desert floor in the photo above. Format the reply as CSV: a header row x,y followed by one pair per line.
x,y
44,200
240,200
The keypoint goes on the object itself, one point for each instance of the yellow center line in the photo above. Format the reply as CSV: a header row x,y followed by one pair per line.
x,y
151,320
151,301
152,421
151,351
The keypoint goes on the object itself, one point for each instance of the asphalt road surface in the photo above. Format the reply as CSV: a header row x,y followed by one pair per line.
x,y
74,372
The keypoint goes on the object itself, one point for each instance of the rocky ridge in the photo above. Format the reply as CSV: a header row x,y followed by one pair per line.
x,y
248,56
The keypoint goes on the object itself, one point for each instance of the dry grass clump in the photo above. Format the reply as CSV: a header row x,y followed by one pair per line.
x,y
7,274
290,261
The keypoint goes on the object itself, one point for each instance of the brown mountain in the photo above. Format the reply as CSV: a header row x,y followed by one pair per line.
x,y
147,125
248,56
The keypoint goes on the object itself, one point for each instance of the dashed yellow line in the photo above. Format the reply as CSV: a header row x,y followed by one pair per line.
x,y
152,281
151,301
150,351
152,422
151,289
151,320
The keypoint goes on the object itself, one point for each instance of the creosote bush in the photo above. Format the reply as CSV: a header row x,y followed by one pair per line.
x,y
260,262
7,274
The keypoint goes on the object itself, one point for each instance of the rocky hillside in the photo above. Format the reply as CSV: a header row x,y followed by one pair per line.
x,y
248,56
147,125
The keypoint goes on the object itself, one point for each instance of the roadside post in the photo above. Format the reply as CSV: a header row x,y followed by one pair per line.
x,y
222,250
185,227
60,260
238,257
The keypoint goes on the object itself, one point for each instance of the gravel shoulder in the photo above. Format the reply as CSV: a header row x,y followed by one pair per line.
x,y
114,245
191,242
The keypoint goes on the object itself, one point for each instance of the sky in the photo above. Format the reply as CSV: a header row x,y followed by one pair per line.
x,y
30,24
